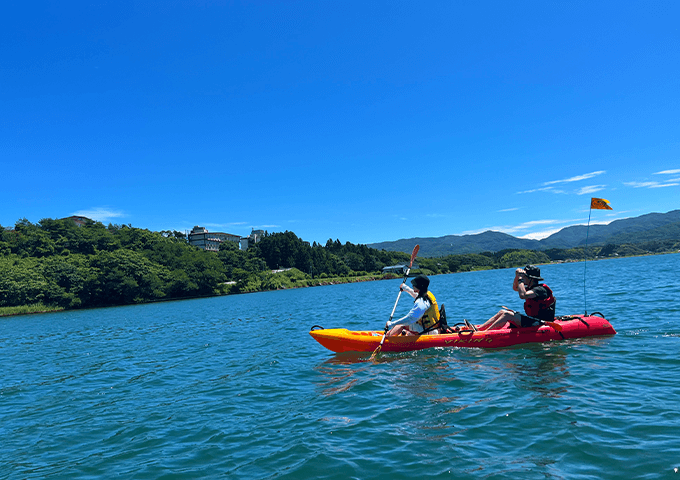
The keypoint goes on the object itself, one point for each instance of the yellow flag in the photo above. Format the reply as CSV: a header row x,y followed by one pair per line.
x,y
600,204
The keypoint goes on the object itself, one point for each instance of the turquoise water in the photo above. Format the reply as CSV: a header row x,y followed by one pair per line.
x,y
234,387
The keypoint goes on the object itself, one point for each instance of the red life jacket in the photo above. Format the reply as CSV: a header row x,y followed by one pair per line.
x,y
544,308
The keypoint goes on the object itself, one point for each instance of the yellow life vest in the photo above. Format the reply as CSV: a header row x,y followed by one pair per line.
x,y
431,316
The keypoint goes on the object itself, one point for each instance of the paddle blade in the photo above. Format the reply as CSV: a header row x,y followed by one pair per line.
x,y
379,347
554,325
413,255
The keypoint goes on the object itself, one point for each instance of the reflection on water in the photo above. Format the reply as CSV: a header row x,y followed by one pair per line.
x,y
542,370
345,358
539,368
339,379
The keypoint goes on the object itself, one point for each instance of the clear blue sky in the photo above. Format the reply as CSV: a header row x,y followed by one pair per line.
x,y
358,121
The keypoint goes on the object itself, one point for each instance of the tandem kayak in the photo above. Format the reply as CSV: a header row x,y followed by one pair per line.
x,y
574,326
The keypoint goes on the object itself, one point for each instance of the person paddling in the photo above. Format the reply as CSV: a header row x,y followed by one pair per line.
x,y
539,301
423,317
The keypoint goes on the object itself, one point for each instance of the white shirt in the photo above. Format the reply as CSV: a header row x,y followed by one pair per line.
x,y
420,306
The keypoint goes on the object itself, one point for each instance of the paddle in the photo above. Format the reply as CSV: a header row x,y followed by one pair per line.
x,y
554,325
413,257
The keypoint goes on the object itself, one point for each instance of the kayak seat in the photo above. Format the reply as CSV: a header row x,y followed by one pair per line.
x,y
443,324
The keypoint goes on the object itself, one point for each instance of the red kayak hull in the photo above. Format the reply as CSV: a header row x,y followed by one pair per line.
x,y
577,326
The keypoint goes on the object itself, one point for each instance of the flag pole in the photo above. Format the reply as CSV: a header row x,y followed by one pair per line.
x,y
585,261
597,204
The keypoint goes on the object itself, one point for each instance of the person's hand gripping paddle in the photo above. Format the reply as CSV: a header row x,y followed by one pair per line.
x,y
413,257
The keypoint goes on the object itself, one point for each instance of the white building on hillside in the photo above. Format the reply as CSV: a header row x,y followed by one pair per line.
x,y
254,237
201,238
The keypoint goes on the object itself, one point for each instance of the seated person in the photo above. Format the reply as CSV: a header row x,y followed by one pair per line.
x,y
539,301
423,317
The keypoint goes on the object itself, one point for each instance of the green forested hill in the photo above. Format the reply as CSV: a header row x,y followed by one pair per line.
x,y
665,232
633,230
460,244
653,226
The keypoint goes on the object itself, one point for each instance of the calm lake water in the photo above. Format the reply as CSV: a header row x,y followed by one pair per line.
x,y
234,387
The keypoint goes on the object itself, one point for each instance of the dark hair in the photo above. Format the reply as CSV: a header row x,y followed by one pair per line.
x,y
421,282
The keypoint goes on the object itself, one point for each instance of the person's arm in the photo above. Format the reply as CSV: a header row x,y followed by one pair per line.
x,y
416,313
409,290
519,274
524,293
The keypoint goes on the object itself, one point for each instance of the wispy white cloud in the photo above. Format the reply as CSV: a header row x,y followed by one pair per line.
x,y
540,235
538,229
577,178
528,225
640,184
590,189
509,209
548,186
223,225
100,214
475,232
511,229
542,189
673,182
533,223
663,183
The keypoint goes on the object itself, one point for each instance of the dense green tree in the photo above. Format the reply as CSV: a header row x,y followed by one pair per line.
x,y
174,234
522,257
284,250
69,274
124,277
22,282
607,251
32,241
354,261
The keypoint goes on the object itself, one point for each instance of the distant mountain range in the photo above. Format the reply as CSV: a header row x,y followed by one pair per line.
x,y
652,226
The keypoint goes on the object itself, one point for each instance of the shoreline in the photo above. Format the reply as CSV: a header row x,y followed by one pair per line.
x,y
319,283
322,283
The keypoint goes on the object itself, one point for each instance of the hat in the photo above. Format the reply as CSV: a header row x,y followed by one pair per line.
x,y
421,282
532,271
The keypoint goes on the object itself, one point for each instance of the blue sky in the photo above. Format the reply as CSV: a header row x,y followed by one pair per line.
x,y
357,121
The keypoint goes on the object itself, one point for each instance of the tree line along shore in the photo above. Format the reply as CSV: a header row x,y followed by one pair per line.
x,y
57,265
